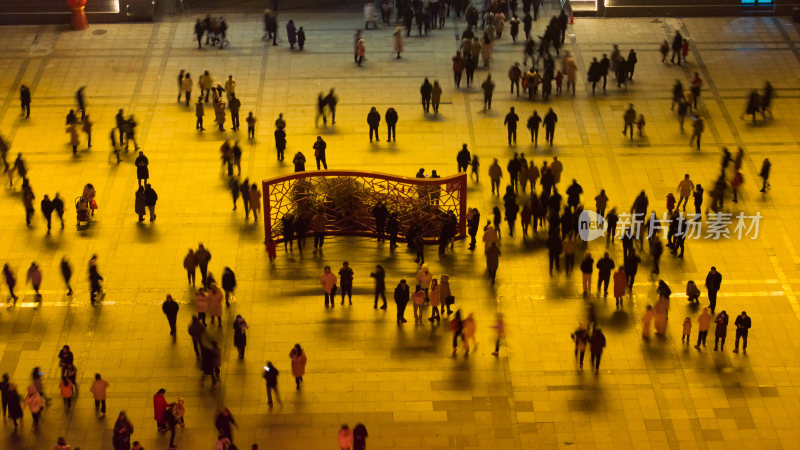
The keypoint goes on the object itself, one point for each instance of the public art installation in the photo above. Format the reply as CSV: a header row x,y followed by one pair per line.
x,y
347,198
78,17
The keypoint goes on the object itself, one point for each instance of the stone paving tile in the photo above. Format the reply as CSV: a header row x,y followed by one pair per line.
x,y
400,382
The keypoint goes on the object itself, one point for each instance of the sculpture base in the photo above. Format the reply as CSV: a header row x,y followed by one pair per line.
x,y
78,19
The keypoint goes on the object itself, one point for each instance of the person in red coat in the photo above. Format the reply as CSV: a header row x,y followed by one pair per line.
x,y
159,409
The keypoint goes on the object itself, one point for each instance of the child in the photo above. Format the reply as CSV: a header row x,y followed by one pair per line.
x,y
180,410
271,249
559,79
66,391
692,292
640,125
684,49
687,329
664,49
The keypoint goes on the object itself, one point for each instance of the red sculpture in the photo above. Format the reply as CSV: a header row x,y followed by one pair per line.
x,y
78,19
347,198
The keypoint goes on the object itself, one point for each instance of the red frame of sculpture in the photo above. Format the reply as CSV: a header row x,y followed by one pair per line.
x,y
399,194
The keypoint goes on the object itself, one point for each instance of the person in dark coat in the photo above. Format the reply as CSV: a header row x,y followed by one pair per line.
x,y
58,206
380,213
291,34
150,199
392,228
426,91
95,289
360,437
492,260
123,429
631,264
47,210
380,285
743,324
713,282
228,284
301,38
373,120
677,43
203,257
240,334
346,282
139,203
280,142
511,123
25,100
66,273
12,401
720,330
223,422
596,345
142,172
604,268
549,122
170,308
401,297
271,376
391,122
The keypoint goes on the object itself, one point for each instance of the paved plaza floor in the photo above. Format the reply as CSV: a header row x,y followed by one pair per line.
x,y
399,381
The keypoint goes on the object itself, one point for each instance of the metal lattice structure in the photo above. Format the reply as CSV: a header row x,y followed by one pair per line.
x,y
348,197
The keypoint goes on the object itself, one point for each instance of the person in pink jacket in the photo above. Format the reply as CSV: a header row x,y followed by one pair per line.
x,y
419,299
345,437
215,303
328,282
201,304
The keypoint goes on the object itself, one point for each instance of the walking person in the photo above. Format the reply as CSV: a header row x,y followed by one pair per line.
x,y
13,402
713,283
228,284
604,268
596,345
380,285
214,295
436,96
170,308
203,257
123,429
549,121
271,377
240,334
743,324
698,126
25,100
299,359
488,90
620,285
629,119
720,330
95,289
581,338
67,389
435,295
35,405
190,264
34,276
401,298
764,174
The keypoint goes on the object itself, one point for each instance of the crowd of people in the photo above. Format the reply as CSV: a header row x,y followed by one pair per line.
x,y
532,195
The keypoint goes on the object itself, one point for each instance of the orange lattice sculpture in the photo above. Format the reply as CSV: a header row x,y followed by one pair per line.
x,y
348,197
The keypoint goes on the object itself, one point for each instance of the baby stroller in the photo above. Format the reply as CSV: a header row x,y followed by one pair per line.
x,y
82,209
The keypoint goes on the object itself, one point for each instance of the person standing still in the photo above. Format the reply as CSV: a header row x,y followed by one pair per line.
x,y
511,122
328,282
25,100
401,297
713,283
373,120
346,281
319,152
743,324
